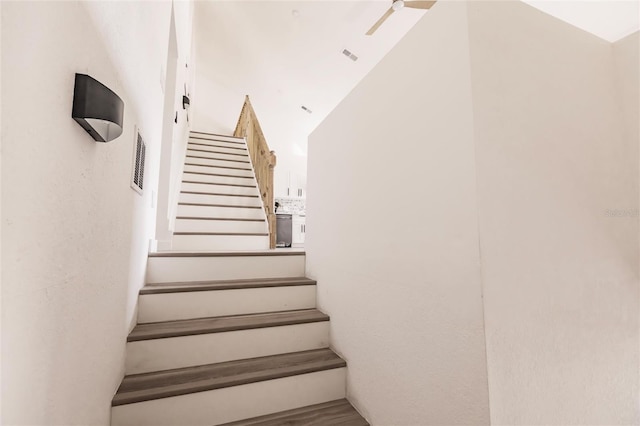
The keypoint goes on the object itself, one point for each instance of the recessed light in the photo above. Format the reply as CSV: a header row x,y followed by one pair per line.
x,y
295,13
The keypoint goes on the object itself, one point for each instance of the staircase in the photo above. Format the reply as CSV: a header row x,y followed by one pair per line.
x,y
233,337
220,207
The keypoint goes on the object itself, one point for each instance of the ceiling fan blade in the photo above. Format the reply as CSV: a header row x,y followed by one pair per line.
x,y
380,21
419,4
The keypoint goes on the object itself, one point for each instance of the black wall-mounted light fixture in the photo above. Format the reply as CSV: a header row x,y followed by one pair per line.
x,y
97,109
185,102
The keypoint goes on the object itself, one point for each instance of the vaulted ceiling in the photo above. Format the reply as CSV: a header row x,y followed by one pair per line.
x,y
289,54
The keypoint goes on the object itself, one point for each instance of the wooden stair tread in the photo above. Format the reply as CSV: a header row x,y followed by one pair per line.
x,y
216,183
333,413
179,287
244,154
226,234
212,174
182,381
227,159
219,194
238,139
214,146
244,169
191,327
215,167
270,252
219,218
220,205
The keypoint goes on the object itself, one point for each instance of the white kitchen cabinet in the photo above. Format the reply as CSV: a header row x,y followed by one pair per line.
x,y
298,230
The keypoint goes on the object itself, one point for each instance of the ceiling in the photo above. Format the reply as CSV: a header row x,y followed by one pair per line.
x,y
287,54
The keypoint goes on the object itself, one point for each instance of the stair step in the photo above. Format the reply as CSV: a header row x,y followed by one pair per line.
x,y
163,384
215,137
218,225
224,153
186,300
195,165
333,413
195,146
192,185
201,147
225,166
185,343
180,287
160,330
219,241
206,176
217,167
226,234
187,197
220,210
202,266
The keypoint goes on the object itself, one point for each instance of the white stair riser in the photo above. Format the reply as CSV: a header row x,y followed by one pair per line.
x,y
221,199
244,178
219,242
192,177
193,225
216,138
222,189
208,166
210,211
236,402
176,352
229,148
223,163
201,304
178,269
226,156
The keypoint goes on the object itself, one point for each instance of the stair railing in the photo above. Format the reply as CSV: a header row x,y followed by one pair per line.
x,y
263,160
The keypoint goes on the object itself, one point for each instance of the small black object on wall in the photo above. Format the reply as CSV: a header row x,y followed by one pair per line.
x,y
97,109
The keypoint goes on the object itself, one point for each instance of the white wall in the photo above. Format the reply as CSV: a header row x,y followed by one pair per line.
x,y
560,267
74,235
392,232
542,117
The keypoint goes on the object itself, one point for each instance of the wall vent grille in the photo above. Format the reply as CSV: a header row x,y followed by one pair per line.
x,y
137,179
349,55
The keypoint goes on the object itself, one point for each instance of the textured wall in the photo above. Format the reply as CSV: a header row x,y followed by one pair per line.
x,y
74,235
557,201
392,232
497,112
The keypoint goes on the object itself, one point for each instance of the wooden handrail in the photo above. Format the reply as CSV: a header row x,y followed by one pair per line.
x,y
263,159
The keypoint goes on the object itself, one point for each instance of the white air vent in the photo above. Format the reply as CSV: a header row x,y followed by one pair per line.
x,y
137,177
349,55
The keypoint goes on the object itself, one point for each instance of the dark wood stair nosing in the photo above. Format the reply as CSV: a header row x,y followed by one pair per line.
x,y
228,153
217,183
225,234
216,140
208,325
220,205
273,252
213,174
185,287
326,360
213,146
229,160
236,219
218,194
